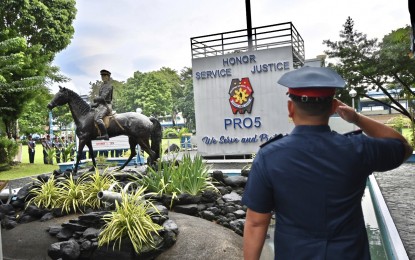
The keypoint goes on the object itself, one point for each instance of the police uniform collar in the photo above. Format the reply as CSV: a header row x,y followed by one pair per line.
x,y
300,129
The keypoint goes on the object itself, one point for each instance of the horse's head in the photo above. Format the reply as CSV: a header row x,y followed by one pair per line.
x,y
61,98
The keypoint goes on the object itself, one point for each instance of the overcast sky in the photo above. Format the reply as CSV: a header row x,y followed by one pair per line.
x,y
124,36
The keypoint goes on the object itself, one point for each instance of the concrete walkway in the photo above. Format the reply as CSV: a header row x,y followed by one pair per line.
x,y
398,189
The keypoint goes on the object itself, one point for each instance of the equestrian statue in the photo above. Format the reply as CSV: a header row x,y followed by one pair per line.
x,y
139,128
102,104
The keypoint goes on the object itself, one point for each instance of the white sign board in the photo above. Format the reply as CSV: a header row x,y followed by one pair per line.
x,y
238,103
114,143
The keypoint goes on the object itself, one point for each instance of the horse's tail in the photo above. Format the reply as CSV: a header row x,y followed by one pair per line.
x,y
156,136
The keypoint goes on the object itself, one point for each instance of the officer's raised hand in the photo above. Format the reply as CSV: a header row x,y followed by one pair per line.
x,y
345,112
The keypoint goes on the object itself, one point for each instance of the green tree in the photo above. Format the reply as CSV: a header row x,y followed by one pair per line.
x,y
151,91
46,28
128,95
35,116
62,117
173,80
12,60
155,96
397,63
367,65
186,102
176,87
45,24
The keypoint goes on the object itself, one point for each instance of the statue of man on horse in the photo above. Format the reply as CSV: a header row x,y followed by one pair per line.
x,y
102,104
139,128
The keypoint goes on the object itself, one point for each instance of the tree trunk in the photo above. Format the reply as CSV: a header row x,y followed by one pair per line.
x,y
11,128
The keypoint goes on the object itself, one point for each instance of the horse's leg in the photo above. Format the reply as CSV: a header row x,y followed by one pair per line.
x,y
78,155
145,146
133,144
91,154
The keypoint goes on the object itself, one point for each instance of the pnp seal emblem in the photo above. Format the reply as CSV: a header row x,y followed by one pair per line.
x,y
241,99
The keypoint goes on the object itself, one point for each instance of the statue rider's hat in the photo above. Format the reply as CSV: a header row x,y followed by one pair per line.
x,y
105,72
312,84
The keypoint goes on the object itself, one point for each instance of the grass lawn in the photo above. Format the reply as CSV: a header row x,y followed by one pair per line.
x,y
26,169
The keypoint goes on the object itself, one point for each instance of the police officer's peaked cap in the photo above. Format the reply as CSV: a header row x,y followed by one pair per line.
x,y
105,72
309,77
310,84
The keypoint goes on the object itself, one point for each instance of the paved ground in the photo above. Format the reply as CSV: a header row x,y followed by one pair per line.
x,y
398,189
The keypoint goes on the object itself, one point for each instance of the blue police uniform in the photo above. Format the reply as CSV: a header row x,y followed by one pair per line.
x,y
314,180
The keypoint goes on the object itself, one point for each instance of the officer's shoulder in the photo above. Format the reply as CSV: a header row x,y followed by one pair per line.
x,y
272,139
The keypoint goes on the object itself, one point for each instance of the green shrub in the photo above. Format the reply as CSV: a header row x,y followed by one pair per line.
x,y
160,180
102,162
182,131
72,195
194,177
187,176
8,150
126,153
51,154
66,153
170,133
94,183
131,219
399,122
46,194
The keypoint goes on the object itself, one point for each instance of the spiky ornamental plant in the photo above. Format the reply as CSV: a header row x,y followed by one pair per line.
x,y
72,195
46,194
193,176
66,152
188,176
159,181
51,154
130,219
92,184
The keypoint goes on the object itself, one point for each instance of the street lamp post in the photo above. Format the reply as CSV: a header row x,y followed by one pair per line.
x,y
353,94
50,124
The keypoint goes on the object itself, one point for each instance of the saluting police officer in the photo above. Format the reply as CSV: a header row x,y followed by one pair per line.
x,y
103,106
314,178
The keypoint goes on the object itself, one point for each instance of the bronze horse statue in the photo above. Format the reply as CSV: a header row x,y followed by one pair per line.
x,y
139,128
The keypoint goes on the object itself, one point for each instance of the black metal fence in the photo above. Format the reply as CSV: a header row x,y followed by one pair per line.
x,y
264,37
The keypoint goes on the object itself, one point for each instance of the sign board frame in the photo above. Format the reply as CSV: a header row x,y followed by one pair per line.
x,y
238,103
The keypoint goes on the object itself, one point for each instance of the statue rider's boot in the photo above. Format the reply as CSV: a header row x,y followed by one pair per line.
x,y
103,130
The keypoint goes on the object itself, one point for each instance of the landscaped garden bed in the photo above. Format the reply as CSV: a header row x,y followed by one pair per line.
x,y
137,222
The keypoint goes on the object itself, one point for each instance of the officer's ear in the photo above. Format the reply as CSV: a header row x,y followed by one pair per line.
x,y
291,109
